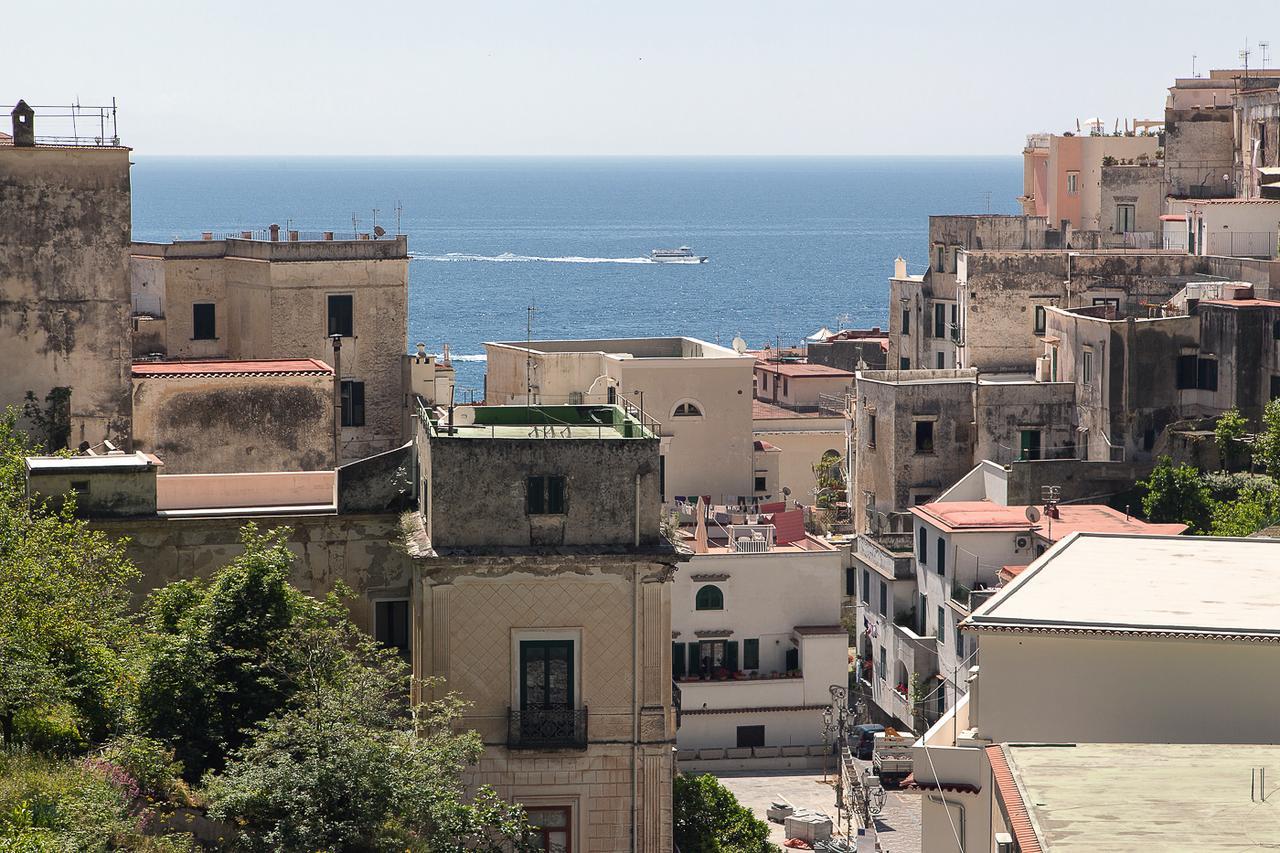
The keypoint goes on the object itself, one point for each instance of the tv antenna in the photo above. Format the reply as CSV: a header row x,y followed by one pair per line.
x,y
355,226
1244,57
1193,66
375,219
528,355
988,195
1265,47
399,210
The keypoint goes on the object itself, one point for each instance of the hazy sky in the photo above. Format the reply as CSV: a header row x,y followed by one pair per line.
x,y
640,77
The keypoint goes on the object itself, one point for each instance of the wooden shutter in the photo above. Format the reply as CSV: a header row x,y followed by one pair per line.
x,y
751,653
677,660
731,655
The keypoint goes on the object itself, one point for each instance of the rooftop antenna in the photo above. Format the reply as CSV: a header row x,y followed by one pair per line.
x,y
399,210
1050,496
1193,66
988,195
1244,57
1265,47
528,355
375,217
355,227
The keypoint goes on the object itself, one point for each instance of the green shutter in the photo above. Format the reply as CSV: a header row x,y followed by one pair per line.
x,y
731,655
793,660
695,662
750,654
677,660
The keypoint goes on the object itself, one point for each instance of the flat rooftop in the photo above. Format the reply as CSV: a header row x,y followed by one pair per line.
x,y
763,411
542,422
1126,797
669,347
119,462
277,367
985,516
1121,584
803,370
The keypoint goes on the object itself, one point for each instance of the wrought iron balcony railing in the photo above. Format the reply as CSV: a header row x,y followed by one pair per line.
x,y
557,728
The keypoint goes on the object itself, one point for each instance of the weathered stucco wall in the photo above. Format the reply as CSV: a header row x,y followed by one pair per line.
x,y
1198,151
1005,409
477,495
230,424
1139,185
64,283
1248,352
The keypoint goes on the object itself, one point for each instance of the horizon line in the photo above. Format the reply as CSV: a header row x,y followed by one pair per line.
x,y
134,152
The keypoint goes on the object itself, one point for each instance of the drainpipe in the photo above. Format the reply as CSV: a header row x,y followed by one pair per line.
x,y
635,695
337,397
637,512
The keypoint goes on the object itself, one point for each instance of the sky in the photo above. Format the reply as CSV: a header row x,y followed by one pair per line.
x,y
647,77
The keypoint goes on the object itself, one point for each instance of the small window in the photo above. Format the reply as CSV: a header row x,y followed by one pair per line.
x,y
611,395
750,736
884,598
551,827
1039,319
760,484
391,624
80,487
922,546
1073,183
959,643
924,436
352,403
906,321
687,410
941,360
871,430
1207,374
1086,367
677,660
941,264
546,496
1186,372
866,587
882,666
939,320
750,654
850,582
785,392
340,322
708,597
942,556
1126,218
203,327
764,381
904,363
942,627
1275,387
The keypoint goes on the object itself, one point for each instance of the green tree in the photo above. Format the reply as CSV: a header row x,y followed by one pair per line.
x,y
1176,493
1256,507
65,637
1228,434
349,766
224,654
1267,449
709,819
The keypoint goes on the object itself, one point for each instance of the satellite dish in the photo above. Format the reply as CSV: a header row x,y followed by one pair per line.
x,y
786,491
1033,514
739,345
379,231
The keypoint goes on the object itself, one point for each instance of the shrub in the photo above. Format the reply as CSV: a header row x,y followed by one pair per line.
x,y
709,819
147,760
50,729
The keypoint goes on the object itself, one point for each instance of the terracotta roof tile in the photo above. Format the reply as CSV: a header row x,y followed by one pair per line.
x,y
277,367
802,369
1011,801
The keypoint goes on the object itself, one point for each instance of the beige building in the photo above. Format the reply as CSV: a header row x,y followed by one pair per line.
x,y
697,395
1092,644
206,417
1063,179
244,298
64,278
542,595
801,440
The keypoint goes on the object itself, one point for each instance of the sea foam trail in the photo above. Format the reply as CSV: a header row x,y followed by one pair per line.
x,y
507,257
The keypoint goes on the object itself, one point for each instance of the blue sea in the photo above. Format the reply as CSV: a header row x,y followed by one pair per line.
x,y
794,244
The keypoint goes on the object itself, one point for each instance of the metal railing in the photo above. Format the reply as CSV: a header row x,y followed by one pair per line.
x,y
543,728
1247,244
75,125
751,538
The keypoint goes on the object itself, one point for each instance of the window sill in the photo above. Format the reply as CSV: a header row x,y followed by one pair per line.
x,y
206,339
926,453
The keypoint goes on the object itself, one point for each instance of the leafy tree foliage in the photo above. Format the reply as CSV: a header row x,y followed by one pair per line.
x,y
709,819
1256,507
1176,493
65,639
1228,435
1267,449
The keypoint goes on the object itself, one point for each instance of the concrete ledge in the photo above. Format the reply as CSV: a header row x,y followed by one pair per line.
x,y
747,765
710,754
686,754
767,752
738,752
819,750
794,751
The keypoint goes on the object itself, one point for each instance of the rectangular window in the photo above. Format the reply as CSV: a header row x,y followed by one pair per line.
x,y
850,582
1039,319
924,436
203,327
764,381
955,322
80,487
906,321
882,666
340,322
1275,387
546,496
871,430
904,363
942,556
1125,218
662,476
939,320
942,627
1053,363
750,736
760,484
1186,372
677,660
785,392
352,403
941,361
866,587
959,643
391,624
551,828
1275,330
1207,374
1086,367
922,546
1073,183
942,258
750,654
884,598
1029,445
546,675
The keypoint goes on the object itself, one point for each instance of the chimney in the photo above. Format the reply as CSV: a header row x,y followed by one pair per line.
x,y
24,125
899,267
275,232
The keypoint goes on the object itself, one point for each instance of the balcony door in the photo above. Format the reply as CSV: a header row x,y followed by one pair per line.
x,y
546,676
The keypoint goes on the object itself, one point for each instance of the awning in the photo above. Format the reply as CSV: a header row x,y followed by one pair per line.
x,y
1174,217
820,335
1050,339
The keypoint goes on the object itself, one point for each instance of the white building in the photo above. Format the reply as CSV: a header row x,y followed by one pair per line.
x,y
1237,227
1109,639
756,639
696,394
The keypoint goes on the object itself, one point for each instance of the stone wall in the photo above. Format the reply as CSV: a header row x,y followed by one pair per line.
x,y
1198,151
1005,409
845,355
232,424
1141,185
64,283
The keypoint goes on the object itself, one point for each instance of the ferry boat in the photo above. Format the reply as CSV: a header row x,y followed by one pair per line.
x,y
683,255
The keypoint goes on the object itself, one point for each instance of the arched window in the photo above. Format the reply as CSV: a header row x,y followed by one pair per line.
x,y
687,410
709,598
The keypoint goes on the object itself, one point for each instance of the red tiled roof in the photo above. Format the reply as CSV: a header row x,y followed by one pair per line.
x,y
1011,801
761,444
1242,303
278,367
973,515
801,369
764,410
1100,518
909,783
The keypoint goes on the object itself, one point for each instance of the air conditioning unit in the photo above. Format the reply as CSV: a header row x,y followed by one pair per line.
x,y
1004,842
1021,542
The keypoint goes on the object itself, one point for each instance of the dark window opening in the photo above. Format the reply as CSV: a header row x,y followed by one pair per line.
x,y
1207,374
871,430
866,586
760,484
1275,330
906,321
1275,387
750,736
340,322
391,624
203,326
1040,320
924,436
850,582
80,487
546,496
750,654
708,598
352,403
922,546
662,478
677,660
884,599
939,320
904,363
942,557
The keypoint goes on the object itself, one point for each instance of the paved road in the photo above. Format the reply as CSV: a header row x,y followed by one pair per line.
x,y
898,825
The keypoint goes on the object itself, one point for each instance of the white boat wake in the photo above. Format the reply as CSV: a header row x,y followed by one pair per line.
x,y
508,257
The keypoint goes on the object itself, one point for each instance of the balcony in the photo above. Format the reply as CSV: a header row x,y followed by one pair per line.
x,y
547,729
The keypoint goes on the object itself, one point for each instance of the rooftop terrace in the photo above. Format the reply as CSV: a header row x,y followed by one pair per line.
x,y
541,422
670,347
